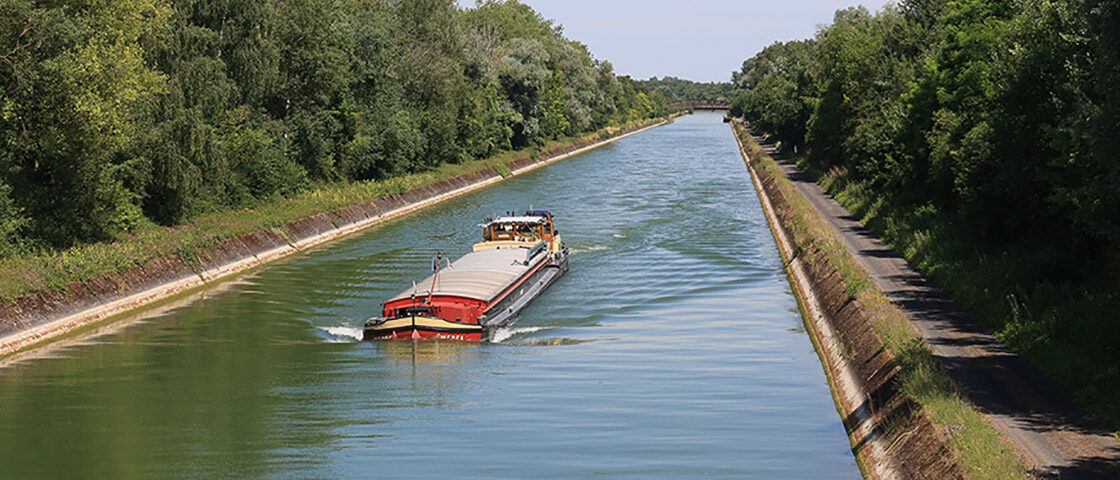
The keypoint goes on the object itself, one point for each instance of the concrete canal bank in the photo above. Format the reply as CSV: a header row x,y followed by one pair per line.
x,y
39,316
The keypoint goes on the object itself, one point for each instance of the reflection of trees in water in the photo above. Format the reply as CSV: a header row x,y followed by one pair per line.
x,y
199,393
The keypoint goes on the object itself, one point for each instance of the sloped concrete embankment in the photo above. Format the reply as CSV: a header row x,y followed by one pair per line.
x,y
889,436
35,317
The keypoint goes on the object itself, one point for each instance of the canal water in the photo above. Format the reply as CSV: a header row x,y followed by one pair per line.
x,y
672,348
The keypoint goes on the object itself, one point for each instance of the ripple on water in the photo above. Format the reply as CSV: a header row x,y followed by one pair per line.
x,y
681,353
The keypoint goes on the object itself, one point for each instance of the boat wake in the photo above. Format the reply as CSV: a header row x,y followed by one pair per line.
x,y
505,333
590,249
343,334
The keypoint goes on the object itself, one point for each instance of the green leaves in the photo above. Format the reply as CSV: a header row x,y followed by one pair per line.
x,y
74,87
118,111
1001,116
779,90
12,222
680,89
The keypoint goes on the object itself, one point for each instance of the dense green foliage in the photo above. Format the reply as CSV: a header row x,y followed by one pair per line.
x,y
979,137
674,89
121,112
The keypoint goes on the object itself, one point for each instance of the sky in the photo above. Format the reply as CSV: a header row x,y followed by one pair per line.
x,y
701,40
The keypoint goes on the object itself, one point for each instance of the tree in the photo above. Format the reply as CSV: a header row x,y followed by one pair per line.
x,y
779,91
118,112
73,89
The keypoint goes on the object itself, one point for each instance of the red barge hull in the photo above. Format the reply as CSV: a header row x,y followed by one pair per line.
x,y
482,290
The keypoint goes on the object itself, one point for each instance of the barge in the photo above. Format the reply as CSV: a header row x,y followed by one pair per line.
x,y
518,258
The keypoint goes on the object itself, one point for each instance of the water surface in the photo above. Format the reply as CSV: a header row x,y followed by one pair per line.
x,y
671,349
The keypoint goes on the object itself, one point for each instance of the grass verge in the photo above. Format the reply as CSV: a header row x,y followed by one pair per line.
x,y
53,270
980,449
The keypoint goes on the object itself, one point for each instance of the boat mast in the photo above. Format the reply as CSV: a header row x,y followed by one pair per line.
x,y
432,287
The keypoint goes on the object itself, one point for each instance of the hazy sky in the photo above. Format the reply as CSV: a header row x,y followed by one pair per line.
x,y
702,40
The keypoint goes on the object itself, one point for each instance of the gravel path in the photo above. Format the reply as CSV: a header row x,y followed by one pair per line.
x,y
1051,433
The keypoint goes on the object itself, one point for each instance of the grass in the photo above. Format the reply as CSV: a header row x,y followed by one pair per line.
x,y
502,169
55,269
980,449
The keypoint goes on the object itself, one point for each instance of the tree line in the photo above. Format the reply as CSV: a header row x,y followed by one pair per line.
x,y
1004,111
120,112
993,122
681,89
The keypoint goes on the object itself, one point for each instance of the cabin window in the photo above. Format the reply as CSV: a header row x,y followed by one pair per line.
x,y
523,232
504,232
414,311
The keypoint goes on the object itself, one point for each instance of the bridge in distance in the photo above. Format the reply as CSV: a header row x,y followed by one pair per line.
x,y
699,104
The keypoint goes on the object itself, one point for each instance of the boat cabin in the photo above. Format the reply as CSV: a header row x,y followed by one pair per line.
x,y
521,231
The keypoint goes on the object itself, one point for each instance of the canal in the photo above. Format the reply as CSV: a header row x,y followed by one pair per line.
x,y
673,348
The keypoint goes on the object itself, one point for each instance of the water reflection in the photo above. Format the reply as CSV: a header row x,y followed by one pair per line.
x,y
433,357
